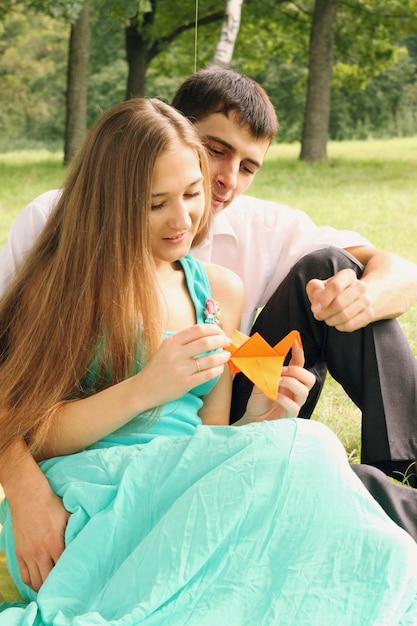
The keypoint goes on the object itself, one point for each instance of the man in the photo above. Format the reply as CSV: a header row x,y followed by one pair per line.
x,y
341,301
333,286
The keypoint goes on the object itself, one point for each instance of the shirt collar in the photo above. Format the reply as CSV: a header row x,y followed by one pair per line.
x,y
221,224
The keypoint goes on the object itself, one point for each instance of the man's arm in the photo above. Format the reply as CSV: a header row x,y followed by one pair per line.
x,y
23,233
391,282
38,515
387,289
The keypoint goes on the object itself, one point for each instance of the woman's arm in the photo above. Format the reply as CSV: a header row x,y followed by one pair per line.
x,y
169,375
227,290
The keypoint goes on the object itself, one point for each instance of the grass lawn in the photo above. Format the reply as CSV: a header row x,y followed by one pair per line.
x,y
370,187
367,186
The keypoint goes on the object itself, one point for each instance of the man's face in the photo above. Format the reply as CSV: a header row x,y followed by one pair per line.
x,y
235,156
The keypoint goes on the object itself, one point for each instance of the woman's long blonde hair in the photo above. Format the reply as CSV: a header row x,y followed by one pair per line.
x,y
91,273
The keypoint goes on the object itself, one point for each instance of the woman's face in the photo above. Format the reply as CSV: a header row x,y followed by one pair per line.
x,y
177,203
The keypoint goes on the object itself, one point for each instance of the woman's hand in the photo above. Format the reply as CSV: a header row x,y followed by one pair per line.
x,y
293,390
176,367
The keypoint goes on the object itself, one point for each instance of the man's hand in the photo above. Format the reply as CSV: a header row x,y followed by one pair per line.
x,y
341,301
38,515
39,523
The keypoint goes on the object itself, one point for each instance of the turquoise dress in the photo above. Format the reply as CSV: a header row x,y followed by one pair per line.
x,y
190,525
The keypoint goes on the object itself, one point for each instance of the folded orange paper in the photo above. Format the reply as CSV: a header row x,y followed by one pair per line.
x,y
259,361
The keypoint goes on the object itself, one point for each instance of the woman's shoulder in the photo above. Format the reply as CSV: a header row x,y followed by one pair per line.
x,y
217,275
223,279
227,290
222,285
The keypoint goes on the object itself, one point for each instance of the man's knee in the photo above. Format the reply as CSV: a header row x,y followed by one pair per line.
x,y
326,262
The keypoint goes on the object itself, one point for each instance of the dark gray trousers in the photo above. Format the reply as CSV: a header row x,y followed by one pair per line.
x,y
375,366
399,502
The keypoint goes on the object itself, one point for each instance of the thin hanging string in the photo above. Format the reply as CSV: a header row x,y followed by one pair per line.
x,y
195,35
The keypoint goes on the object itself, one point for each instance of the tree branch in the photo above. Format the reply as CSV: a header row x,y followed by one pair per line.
x,y
366,10
158,44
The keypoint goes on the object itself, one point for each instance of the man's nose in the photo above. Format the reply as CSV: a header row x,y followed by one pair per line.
x,y
227,176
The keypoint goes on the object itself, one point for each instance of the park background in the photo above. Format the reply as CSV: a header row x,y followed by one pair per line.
x,y
62,62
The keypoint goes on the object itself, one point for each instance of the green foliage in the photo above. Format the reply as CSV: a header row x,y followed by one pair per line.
x,y
107,63
285,82
384,108
372,93
122,9
174,64
375,73
105,88
61,9
32,97
5,7
160,22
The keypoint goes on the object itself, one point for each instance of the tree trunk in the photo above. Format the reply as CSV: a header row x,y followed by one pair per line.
x,y
142,46
138,60
317,111
224,50
77,78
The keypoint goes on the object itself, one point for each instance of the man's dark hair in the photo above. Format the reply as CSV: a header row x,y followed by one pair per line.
x,y
219,90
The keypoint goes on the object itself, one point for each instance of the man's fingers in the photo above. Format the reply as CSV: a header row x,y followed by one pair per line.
x,y
357,315
35,575
31,576
45,568
24,572
328,294
341,301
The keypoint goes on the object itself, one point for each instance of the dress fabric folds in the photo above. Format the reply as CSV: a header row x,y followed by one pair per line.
x,y
263,524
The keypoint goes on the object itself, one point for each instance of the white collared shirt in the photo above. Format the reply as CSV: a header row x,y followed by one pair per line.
x,y
261,240
257,239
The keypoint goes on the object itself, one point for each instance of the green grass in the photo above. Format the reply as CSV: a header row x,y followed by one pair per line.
x,y
367,186
24,175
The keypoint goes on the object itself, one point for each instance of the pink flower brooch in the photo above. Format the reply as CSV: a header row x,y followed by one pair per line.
x,y
212,312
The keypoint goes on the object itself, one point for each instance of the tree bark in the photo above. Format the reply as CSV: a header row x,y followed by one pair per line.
x,y
230,28
142,46
137,53
317,110
77,78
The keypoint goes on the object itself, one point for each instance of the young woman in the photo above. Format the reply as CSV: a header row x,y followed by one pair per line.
x,y
118,386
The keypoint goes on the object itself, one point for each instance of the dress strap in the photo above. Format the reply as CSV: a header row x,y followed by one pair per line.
x,y
198,285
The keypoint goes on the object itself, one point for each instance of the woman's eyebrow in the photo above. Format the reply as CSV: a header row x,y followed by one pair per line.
x,y
191,184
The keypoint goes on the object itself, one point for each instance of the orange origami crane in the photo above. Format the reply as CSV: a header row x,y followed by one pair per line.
x,y
259,361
